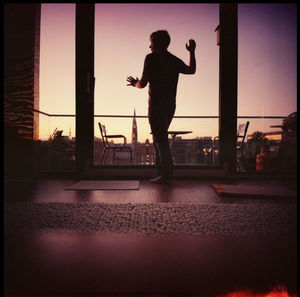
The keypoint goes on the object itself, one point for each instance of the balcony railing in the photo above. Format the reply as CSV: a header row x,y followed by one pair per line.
x,y
190,149
136,116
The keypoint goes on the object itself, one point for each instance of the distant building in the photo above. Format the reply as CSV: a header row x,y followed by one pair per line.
x,y
191,151
134,138
98,149
144,153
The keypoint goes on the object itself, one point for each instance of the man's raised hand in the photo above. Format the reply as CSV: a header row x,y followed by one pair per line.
x,y
132,81
191,46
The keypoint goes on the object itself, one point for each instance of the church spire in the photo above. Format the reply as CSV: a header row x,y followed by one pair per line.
x,y
134,130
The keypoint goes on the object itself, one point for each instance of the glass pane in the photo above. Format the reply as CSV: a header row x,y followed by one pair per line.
x,y
267,83
57,88
267,59
122,34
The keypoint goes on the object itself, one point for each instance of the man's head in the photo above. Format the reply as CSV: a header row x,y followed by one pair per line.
x,y
160,40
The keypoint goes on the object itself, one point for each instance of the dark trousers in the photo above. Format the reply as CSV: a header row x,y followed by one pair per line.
x,y
160,120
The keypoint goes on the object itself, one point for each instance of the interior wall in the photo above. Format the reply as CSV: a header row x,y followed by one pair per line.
x,y
21,87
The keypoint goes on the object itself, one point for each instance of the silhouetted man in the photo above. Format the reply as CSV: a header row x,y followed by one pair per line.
x,y
161,70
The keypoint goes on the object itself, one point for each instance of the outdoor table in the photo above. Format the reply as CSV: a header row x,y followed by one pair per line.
x,y
175,133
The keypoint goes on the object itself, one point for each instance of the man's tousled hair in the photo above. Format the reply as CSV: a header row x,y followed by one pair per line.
x,y
161,38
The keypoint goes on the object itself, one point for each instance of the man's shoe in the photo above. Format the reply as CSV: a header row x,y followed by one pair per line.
x,y
161,180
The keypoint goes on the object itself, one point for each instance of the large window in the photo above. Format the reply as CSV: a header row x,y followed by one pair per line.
x,y
267,61
267,76
122,34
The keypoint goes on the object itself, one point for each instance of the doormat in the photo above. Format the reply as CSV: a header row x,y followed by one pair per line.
x,y
253,191
105,185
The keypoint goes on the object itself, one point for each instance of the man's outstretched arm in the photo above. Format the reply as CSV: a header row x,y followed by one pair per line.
x,y
191,69
138,83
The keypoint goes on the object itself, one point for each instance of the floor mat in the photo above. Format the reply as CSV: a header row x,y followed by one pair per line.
x,y
105,185
253,191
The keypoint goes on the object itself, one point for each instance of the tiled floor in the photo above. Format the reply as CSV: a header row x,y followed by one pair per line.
x,y
47,263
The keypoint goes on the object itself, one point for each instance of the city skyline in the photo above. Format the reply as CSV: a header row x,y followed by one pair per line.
x,y
119,151
267,80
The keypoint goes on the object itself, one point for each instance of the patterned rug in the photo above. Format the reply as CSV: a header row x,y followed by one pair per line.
x,y
214,220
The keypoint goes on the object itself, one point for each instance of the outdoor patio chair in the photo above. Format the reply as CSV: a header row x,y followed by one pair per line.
x,y
113,148
241,135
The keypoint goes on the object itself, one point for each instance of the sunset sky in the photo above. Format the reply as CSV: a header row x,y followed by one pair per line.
x,y
267,64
